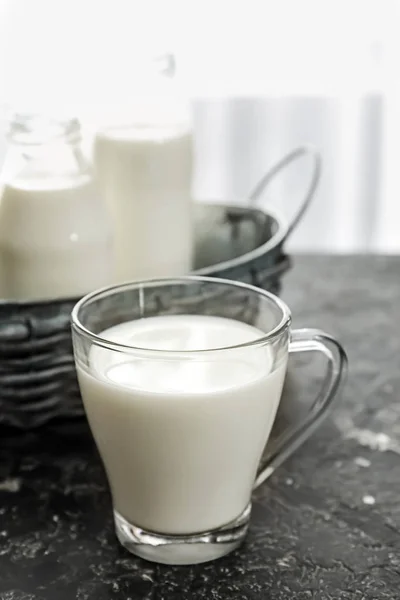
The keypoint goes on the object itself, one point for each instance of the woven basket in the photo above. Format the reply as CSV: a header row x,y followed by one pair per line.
x,y
37,375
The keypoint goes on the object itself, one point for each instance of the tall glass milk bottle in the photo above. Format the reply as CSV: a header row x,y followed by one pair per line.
x,y
143,160
55,235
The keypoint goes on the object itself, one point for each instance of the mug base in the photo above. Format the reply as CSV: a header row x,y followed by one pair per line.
x,y
187,549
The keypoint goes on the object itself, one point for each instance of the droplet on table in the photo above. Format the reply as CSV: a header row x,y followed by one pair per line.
x,y
370,500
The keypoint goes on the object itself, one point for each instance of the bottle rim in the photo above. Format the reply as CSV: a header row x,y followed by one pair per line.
x,y
35,128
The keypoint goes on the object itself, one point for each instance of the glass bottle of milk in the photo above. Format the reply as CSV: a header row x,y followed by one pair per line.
x,y
143,160
55,237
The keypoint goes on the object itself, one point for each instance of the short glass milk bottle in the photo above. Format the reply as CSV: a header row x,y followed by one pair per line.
x,y
143,160
55,237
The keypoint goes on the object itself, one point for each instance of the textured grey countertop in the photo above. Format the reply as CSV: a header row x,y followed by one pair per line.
x,y
325,526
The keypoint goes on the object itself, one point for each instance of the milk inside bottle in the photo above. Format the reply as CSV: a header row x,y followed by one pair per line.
x,y
55,238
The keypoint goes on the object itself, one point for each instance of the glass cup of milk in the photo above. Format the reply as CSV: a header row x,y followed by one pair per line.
x,y
181,381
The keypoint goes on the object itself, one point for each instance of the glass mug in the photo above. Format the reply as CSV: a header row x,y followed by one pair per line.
x,y
181,380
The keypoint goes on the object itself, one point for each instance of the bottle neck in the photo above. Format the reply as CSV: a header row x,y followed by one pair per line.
x,y
153,67
42,148
151,97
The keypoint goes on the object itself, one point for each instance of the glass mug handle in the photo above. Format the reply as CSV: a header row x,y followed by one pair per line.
x,y
307,340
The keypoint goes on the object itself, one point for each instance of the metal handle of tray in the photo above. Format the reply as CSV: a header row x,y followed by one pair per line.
x,y
294,155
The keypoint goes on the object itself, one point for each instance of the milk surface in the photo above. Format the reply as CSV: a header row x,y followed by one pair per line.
x,y
181,440
145,176
54,239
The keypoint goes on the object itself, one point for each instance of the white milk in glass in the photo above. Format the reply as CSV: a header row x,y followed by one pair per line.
x,y
181,440
145,175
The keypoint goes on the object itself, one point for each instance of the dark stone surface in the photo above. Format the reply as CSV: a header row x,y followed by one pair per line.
x,y
325,526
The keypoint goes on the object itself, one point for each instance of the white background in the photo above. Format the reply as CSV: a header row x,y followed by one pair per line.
x,y
265,76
